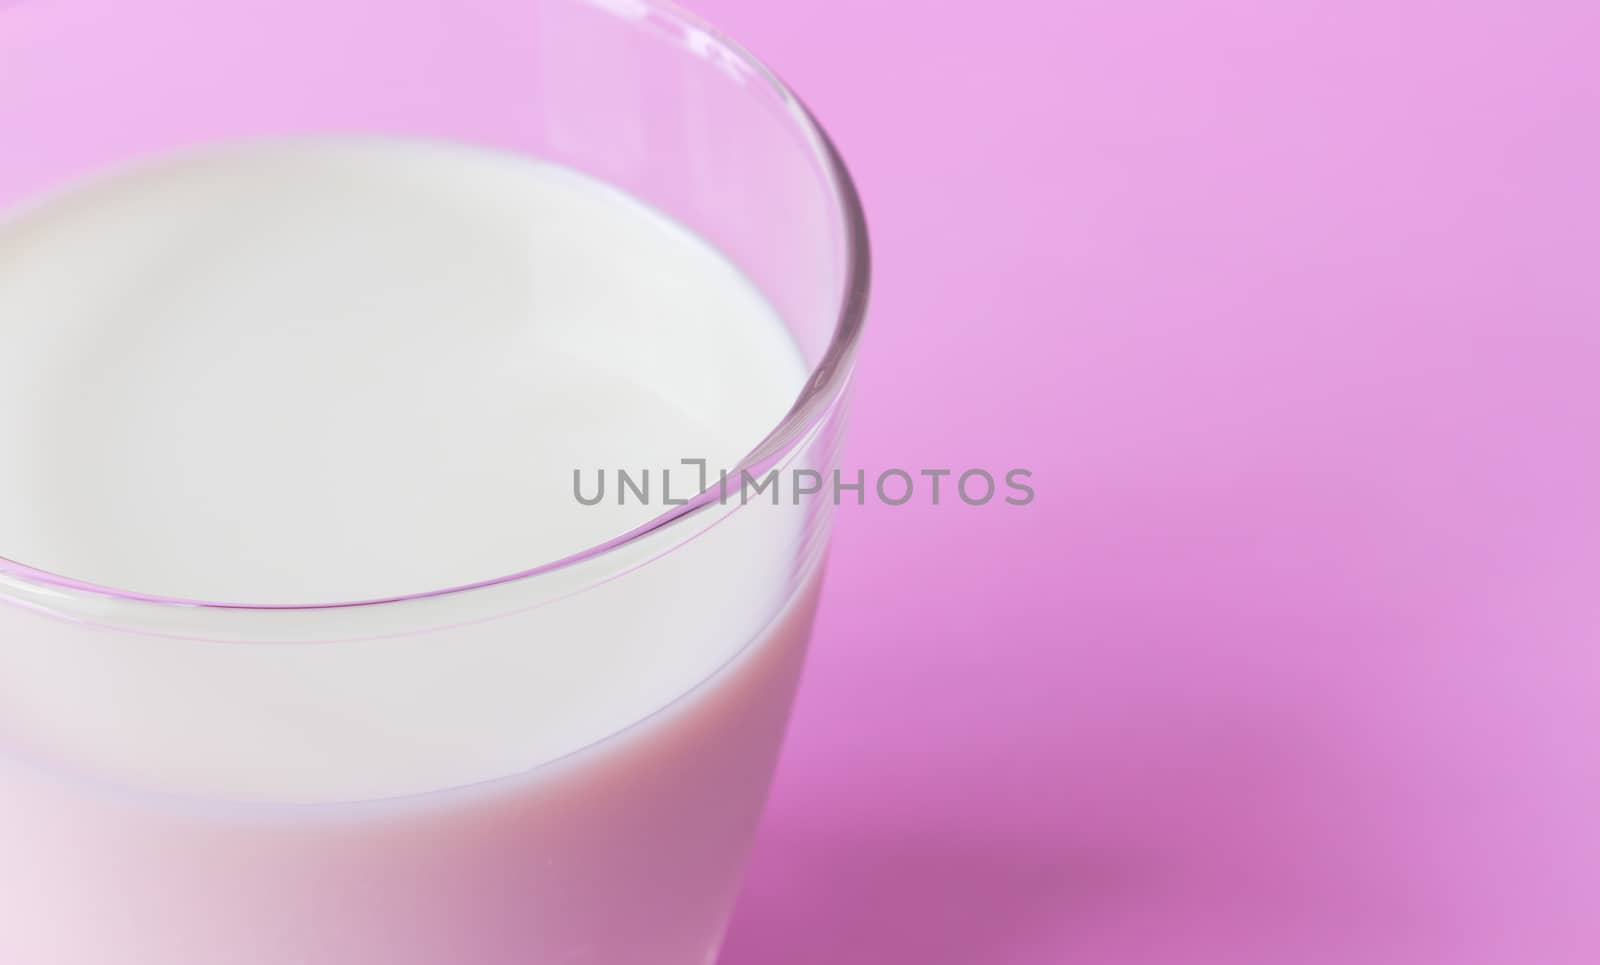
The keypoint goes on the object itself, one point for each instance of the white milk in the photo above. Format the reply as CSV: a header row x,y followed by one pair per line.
x,y
324,370
327,370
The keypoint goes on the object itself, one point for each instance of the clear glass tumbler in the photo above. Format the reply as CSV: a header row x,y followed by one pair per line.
x,y
626,851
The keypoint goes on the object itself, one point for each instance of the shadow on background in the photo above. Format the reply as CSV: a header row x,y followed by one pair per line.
x,y
865,900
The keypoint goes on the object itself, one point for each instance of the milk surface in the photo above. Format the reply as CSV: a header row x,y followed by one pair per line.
x,y
324,370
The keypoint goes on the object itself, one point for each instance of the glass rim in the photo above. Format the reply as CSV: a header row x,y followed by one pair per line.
x,y
825,382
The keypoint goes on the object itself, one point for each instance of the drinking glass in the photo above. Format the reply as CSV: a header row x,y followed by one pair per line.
x,y
625,851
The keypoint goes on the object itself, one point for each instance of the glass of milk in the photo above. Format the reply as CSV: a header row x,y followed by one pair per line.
x,y
370,593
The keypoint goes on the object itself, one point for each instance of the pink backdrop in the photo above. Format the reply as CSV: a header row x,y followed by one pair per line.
x,y
1293,307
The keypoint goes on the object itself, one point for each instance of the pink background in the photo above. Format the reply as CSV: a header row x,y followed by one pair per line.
x,y
1294,310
